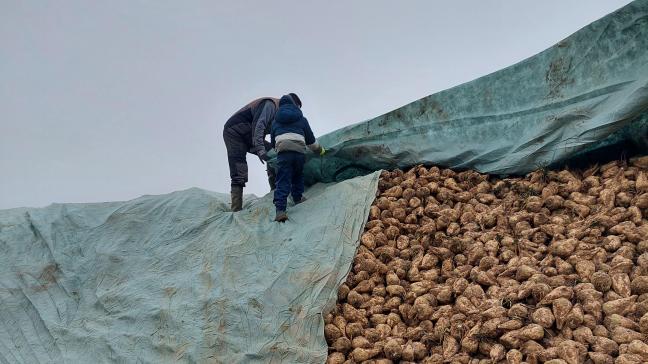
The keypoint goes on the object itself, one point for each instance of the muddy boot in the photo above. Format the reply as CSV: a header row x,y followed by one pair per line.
x,y
237,198
303,199
282,216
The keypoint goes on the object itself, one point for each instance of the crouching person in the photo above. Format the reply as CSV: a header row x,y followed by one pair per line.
x,y
290,136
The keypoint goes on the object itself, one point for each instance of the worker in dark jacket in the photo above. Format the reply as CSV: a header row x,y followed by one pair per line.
x,y
244,133
290,136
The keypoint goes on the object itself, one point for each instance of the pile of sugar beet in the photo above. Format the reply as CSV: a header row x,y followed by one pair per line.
x,y
460,267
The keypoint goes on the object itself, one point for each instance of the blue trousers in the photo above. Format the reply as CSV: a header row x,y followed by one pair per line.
x,y
290,178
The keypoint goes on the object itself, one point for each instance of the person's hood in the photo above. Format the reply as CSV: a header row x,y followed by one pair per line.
x,y
288,112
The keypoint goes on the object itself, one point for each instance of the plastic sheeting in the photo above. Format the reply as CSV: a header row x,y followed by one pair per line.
x,y
587,92
176,278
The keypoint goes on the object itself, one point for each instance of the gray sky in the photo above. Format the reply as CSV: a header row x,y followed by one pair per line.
x,y
103,101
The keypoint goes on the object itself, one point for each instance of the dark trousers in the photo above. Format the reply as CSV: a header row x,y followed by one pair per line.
x,y
238,141
290,178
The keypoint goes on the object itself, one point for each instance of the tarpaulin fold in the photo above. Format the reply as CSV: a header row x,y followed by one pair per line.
x,y
585,93
176,278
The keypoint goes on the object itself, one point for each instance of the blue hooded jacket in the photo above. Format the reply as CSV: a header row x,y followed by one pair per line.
x,y
290,129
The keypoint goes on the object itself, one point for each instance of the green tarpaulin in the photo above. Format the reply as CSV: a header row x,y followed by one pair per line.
x,y
586,92
176,278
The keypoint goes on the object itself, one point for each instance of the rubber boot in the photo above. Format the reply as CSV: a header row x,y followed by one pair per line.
x,y
303,199
282,216
237,198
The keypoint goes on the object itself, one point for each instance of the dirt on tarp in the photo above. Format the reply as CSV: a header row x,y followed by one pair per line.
x,y
588,92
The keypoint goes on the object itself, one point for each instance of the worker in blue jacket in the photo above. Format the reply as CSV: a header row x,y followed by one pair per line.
x,y
244,133
290,135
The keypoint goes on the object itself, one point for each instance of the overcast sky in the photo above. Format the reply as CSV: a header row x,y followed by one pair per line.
x,y
103,101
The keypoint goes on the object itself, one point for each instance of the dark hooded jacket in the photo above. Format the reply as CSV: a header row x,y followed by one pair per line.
x,y
290,129
252,123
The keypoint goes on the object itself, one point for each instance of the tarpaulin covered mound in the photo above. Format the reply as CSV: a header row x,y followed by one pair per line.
x,y
176,278
585,93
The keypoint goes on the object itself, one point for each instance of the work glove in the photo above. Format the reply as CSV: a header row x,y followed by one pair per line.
x,y
263,157
322,151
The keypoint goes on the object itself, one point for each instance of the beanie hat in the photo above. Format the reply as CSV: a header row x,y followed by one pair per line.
x,y
296,99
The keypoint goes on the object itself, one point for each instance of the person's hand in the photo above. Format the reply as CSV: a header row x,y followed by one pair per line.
x,y
322,151
263,157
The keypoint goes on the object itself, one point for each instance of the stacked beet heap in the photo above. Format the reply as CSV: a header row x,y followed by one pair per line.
x,y
462,268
